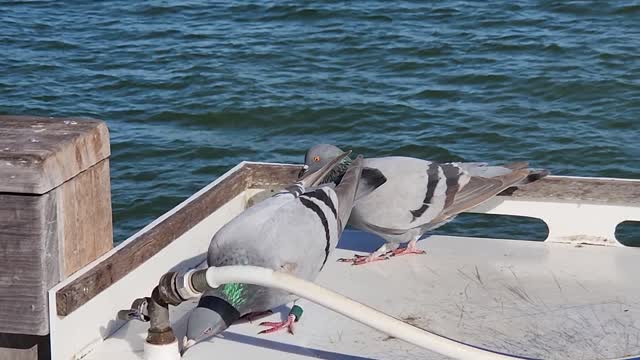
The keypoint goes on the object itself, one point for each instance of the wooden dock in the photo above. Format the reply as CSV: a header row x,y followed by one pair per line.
x,y
55,218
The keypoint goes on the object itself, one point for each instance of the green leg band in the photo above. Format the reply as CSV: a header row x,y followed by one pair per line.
x,y
296,311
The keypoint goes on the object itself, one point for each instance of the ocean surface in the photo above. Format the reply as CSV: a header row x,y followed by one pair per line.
x,y
191,88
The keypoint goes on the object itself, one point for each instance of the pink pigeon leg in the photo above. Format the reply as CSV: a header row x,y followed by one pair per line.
x,y
410,249
294,316
277,326
381,254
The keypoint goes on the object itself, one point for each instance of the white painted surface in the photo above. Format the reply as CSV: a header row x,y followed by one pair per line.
x,y
357,311
568,222
550,300
545,300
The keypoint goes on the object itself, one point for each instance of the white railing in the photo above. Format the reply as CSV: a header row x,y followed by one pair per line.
x,y
570,221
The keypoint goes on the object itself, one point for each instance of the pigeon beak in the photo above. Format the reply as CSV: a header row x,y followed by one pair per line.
x,y
186,343
303,171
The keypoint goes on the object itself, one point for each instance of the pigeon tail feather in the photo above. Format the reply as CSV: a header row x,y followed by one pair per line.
x,y
479,190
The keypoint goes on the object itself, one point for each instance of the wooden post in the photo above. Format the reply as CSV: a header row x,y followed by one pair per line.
x,y
55,217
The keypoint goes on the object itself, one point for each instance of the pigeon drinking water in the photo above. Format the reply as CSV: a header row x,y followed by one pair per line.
x,y
418,195
294,231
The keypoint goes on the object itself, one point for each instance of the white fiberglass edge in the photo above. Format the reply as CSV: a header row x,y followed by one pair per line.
x,y
522,298
568,221
217,276
352,309
591,178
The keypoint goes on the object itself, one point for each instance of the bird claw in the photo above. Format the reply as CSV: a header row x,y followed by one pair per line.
x,y
407,251
277,326
363,259
354,258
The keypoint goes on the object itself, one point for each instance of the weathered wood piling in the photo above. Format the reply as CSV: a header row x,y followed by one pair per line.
x,y
55,217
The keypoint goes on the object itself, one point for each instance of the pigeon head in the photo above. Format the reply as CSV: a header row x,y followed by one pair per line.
x,y
212,316
319,155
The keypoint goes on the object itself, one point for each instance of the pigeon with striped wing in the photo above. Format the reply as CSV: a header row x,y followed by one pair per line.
x,y
418,195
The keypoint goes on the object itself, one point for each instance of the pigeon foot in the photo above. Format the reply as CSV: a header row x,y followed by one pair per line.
x,y
407,251
410,249
277,326
364,259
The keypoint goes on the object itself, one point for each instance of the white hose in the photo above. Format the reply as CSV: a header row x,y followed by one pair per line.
x,y
217,276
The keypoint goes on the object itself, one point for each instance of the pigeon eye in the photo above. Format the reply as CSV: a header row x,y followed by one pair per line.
x,y
208,330
316,158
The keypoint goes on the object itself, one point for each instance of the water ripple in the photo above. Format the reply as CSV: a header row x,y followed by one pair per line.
x,y
191,88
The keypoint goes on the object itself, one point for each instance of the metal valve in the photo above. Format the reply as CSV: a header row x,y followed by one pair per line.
x,y
138,311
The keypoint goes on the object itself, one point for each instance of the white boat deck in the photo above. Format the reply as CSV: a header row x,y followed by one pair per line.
x,y
533,299
573,296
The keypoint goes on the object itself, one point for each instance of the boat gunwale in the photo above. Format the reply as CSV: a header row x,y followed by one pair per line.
x,y
133,252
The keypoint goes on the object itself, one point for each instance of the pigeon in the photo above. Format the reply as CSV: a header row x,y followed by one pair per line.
x,y
293,231
418,196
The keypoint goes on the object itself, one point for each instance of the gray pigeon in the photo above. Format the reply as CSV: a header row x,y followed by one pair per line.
x,y
294,231
418,195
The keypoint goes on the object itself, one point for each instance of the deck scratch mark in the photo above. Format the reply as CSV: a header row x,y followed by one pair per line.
x,y
520,293
582,285
541,301
514,274
556,280
461,314
433,271
466,295
620,323
464,275
478,276
626,343
598,320
556,310
468,277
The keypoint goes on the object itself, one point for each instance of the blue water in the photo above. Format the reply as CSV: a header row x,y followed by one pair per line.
x,y
191,88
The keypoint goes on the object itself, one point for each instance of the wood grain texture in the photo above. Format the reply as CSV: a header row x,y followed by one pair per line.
x,y
38,154
132,255
55,211
29,262
44,239
84,210
574,189
19,354
24,347
266,175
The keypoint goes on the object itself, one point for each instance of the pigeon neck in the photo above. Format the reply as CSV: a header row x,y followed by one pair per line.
x,y
335,176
